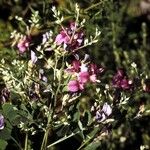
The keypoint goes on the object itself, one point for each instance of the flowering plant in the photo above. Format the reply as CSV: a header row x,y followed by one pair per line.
x,y
53,91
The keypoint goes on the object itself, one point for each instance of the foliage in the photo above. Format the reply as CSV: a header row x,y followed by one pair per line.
x,y
74,73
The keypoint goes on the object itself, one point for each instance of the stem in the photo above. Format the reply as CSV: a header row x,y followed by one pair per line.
x,y
77,18
16,143
50,117
84,144
59,85
144,34
89,138
62,139
65,31
81,47
44,142
113,36
55,67
116,52
94,5
26,142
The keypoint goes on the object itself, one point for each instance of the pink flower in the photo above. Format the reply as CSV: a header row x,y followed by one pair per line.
x,y
70,38
83,77
73,86
73,25
93,68
93,78
83,73
62,38
94,71
23,44
75,67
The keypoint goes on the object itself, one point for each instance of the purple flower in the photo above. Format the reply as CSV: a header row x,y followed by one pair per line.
x,y
42,75
104,113
100,117
1,122
125,84
118,78
121,81
33,57
33,95
4,95
107,110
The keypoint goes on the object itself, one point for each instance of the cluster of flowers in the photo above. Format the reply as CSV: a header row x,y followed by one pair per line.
x,y
70,37
82,73
121,81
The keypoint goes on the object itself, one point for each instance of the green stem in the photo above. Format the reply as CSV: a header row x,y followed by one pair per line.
x,y
44,142
144,33
77,18
17,143
84,143
62,139
116,52
113,35
50,117
60,79
26,142
81,47
56,59
94,5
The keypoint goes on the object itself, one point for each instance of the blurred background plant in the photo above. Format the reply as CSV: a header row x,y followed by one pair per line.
x,y
124,43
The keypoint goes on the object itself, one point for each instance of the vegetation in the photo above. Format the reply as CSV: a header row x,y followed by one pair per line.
x,y
74,73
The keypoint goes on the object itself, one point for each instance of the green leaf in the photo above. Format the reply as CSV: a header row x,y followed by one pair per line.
x,y
3,144
5,134
92,146
94,131
80,125
25,113
90,120
9,111
63,131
